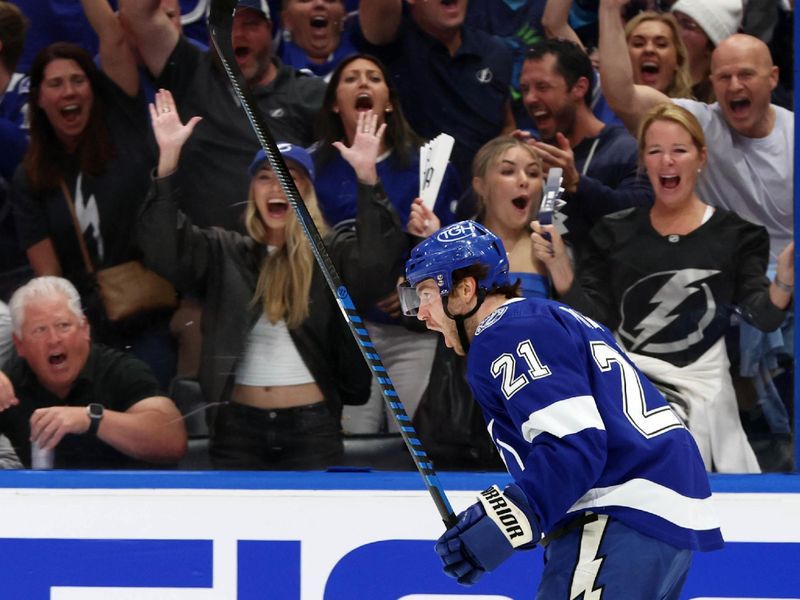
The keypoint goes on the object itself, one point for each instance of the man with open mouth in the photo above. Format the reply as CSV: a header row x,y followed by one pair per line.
x,y
316,35
90,406
599,161
750,141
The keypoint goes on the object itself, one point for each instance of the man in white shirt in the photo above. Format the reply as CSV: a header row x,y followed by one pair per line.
x,y
750,141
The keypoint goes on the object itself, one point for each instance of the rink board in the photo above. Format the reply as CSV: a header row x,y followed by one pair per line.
x,y
312,536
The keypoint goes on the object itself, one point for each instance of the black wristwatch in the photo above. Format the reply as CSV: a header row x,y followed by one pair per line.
x,y
95,412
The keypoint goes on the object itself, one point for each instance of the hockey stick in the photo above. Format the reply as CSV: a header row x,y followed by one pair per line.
x,y
220,23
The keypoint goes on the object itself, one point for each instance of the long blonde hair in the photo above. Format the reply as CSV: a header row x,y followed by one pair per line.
x,y
284,280
680,86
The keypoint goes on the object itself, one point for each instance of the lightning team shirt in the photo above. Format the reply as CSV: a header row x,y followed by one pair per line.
x,y
580,428
106,204
674,301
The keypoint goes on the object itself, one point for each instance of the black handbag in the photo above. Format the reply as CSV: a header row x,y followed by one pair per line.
x,y
450,422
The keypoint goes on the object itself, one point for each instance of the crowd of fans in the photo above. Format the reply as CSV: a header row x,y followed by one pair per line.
x,y
123,143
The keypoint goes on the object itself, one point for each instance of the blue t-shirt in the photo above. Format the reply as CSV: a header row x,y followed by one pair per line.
x,y
532,285
581,428
336,185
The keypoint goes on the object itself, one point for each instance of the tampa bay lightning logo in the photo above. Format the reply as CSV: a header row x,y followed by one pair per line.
x,y
484,75
457,232
671,311
491,319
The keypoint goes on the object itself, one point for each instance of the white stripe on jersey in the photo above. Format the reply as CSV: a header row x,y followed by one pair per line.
x,y
648,496
563,418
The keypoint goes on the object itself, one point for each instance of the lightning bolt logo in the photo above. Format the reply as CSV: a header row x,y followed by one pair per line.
x,y
88,215
584,579
675,291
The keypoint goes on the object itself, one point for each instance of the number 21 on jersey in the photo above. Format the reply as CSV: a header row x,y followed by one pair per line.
x,y
648,423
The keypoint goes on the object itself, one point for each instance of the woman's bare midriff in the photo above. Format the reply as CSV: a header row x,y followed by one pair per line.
x,y
277,397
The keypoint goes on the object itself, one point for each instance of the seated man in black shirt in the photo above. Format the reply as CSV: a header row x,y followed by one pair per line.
x,y
94,406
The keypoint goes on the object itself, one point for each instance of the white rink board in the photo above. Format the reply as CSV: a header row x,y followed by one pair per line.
x,y
328,527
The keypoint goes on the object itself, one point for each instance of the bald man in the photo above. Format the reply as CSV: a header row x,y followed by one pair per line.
x,y
750,141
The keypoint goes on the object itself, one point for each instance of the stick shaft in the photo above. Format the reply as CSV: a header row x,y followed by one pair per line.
x,y
220,25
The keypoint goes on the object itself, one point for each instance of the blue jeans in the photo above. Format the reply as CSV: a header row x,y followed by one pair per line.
x,y
618,562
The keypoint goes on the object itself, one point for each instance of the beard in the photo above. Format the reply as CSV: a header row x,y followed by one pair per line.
x,y
565,123
255,73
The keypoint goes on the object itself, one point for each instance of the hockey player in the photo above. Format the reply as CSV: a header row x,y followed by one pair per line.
x,y
605,475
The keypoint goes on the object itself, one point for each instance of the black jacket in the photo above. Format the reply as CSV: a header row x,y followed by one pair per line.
x,y
223,267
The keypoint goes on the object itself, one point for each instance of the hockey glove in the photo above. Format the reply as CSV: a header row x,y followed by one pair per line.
x,y
487,533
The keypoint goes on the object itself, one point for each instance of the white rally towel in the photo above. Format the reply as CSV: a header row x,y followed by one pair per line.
x,y
433,157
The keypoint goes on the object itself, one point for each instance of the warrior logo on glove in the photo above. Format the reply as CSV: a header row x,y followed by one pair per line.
x,y
510,519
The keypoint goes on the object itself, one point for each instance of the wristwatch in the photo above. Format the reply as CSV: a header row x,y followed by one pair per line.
x,y
95,412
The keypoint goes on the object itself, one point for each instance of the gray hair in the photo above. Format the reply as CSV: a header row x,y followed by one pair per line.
x,y
42,287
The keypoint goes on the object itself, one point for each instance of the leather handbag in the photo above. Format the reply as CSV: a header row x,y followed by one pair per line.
x,y
449,421
126,289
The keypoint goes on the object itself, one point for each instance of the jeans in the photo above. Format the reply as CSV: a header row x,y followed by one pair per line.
x,y
300,438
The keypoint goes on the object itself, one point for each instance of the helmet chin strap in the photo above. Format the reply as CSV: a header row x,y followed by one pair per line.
x,y
459,319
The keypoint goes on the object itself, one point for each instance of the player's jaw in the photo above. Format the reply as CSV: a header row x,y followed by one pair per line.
x,y
435,320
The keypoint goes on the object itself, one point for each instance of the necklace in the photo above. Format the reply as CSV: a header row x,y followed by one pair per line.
x,y
510,249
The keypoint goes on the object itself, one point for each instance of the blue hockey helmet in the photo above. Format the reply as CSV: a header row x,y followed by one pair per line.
x,y
455,247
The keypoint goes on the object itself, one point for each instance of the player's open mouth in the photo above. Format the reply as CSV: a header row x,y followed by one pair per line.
x,y
57,359
364,102
319,22
670,182
241,52
277,208
449,2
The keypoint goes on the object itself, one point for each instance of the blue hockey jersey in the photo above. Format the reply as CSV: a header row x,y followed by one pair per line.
x,y
581,428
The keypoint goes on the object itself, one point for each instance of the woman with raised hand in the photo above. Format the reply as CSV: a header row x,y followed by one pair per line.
x,y
658,55
360,84
277,361
668,279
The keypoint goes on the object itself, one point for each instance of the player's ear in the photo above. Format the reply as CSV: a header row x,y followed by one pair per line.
x,y
467,288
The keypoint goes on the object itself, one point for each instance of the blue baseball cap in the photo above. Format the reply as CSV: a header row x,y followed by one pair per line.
x,y
289,152
257,5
